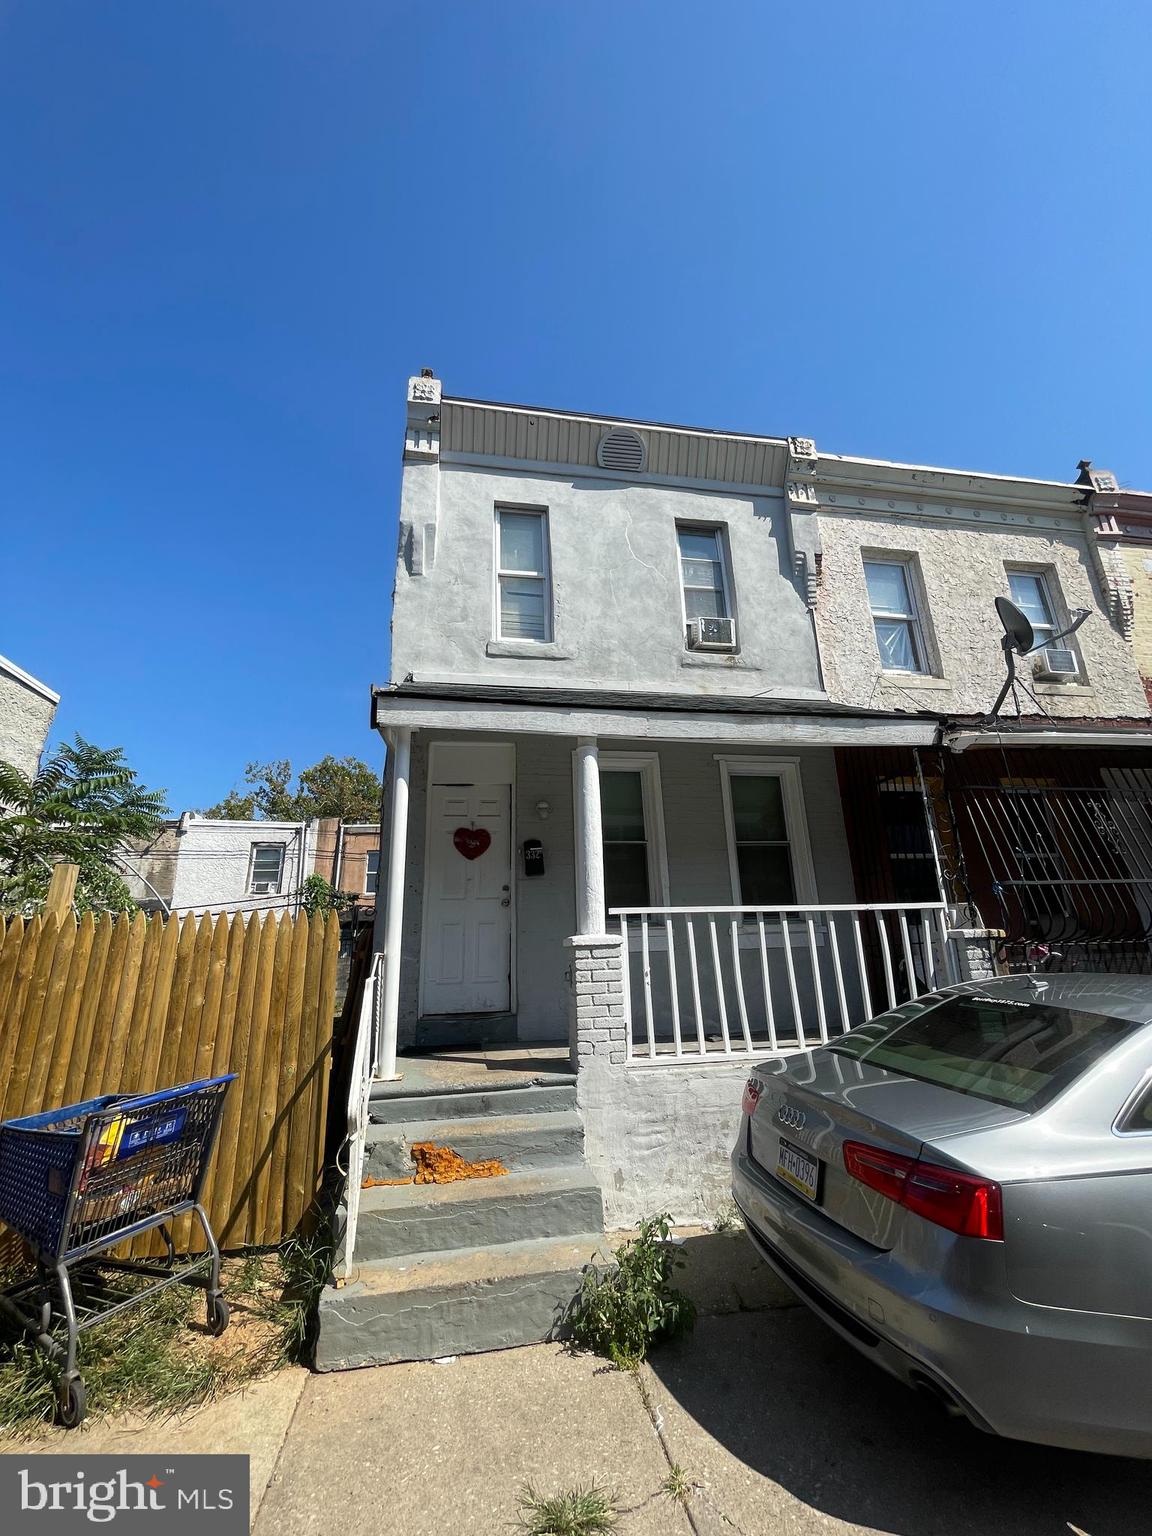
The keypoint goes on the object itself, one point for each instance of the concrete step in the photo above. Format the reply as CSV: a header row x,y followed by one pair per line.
x,y
462,1030
474,1213
518,1141
454,1303
545,1094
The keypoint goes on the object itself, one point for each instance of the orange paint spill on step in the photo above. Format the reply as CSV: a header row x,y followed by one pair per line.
x,y
441,1165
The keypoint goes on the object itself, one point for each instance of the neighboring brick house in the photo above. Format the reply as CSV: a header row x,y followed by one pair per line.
x,y
348,857
27,707
1122,527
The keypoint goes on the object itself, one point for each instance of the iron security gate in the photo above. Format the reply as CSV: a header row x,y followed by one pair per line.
x,y
1064,868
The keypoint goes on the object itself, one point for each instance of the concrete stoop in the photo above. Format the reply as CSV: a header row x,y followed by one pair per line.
x,y
449,1269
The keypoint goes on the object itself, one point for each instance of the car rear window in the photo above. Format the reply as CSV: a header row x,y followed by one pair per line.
x,y
1011,1052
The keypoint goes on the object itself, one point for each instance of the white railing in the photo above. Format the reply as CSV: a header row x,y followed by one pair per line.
x,y
359,1094
737,981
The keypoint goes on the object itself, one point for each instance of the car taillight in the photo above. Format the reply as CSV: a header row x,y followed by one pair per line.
x,y
752,1092
961,1202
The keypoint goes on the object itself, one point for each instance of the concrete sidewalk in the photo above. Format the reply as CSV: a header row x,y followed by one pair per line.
x,y
777,1425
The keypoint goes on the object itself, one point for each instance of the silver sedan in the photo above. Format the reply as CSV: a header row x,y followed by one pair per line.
x,y
962,1188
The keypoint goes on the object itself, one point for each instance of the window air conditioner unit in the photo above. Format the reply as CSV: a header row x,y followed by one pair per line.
x,y
1057,661
711,634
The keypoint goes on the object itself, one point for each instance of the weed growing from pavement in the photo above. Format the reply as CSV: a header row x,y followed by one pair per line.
x,y
728,1218
677,1485
580,1511
622,1311
156,1358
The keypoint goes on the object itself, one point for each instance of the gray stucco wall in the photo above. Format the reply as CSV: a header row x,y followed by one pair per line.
x,y
25,720
659,1138
545,905
616,586
962,572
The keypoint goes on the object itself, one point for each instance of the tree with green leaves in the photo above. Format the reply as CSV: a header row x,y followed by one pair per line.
x,y
335,786
77,808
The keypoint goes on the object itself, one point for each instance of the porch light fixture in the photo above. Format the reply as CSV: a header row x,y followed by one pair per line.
x,y
543,809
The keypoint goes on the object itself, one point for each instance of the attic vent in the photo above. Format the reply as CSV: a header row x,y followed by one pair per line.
x,y
620,448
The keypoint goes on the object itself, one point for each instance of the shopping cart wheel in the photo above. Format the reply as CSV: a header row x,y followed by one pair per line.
x,y
71,1403
218,1314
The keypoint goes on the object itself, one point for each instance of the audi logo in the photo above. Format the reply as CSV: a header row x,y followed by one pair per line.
x,y
793,1118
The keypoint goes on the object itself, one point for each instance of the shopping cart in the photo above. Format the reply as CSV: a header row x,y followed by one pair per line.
x,y
75,1182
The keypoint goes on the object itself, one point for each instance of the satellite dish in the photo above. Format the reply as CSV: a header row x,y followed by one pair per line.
x,y
1018,632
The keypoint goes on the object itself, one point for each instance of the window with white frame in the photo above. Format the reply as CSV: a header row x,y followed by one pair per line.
x,y
768,853
1030,592
632,827
895,618
523,595
267,869
704,574
371,872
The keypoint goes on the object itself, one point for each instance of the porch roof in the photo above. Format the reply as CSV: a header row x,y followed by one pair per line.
x,y
736,718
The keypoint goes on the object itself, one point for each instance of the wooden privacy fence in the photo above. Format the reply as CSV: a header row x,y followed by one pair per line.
x,y
132,1004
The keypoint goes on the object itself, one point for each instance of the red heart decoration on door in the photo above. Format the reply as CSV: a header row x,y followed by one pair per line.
x,y
471,841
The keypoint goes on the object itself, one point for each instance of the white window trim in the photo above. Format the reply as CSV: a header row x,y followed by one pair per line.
x,y
369,890
1046,576
787,770
908,565
647,765
279,882
498,571
721,532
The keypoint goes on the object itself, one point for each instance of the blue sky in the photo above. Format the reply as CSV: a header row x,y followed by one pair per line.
x,y
229,230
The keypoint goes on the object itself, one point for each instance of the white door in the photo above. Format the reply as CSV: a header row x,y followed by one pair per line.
x,y
466,952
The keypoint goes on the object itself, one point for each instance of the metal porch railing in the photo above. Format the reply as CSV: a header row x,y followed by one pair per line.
x,y
707,982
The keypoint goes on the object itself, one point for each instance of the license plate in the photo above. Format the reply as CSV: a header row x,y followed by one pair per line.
x,y
799,1171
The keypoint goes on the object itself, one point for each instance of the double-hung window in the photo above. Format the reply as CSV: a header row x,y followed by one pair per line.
x,y
1030,593
632,827
267,869
523,596
703,574
892,601
768,853
371,871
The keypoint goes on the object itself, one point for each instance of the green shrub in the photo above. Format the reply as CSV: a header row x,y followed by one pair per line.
x,y
621,1312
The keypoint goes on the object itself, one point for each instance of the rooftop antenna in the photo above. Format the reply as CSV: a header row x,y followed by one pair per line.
x,y
1019,638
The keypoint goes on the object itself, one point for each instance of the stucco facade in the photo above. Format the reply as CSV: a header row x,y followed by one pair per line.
x,y
617,617
197,865
27,708
481,727
959,536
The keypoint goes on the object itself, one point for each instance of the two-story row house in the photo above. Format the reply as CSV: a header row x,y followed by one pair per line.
x,y
691,759
708,712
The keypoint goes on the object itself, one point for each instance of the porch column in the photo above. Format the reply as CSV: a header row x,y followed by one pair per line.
x,y
400,759
590,913
597,1022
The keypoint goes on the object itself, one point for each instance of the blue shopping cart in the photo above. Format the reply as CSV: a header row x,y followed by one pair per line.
x,y
77,1181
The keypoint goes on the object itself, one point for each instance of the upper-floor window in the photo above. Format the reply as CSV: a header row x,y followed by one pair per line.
x,y
1030,592
267,869
892,600
704,574
523,598
371,871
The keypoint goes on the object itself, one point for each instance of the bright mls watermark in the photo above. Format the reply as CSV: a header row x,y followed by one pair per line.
x,y
190,1494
